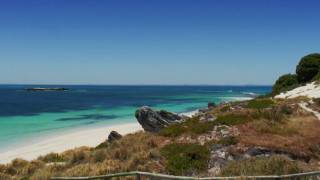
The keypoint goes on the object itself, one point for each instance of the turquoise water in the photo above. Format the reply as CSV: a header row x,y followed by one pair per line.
x,y
26,117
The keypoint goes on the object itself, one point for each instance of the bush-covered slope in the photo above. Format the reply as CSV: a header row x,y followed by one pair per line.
x,y
259,137
307,70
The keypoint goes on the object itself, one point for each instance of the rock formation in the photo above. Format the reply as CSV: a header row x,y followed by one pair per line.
x,y
153,121
113,136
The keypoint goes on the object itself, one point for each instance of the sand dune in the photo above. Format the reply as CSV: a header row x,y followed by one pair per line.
x,y
311,90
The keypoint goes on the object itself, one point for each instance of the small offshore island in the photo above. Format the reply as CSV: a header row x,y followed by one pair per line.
x,y
47,89
274,134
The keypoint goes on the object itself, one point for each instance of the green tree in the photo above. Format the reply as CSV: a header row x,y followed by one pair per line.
x,y
308,68
285,83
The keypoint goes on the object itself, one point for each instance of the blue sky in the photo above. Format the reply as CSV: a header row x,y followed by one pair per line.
x,y
154,41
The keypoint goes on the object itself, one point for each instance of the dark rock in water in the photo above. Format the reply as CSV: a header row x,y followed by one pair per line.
x,y
113,136
154,121
47,89
211,105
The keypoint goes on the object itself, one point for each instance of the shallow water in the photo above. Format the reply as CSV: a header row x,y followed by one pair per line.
x,y
27,116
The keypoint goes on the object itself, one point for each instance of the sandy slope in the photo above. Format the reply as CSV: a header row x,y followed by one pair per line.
x,y
311,90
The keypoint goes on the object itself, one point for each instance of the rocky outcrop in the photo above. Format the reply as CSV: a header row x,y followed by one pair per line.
x,y
153,121
113,136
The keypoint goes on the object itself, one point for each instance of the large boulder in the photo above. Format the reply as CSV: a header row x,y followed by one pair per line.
x,y
153,121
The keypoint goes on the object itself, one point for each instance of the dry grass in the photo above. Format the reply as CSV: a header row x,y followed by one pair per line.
x,y
53,157
133,152
274,165
296,136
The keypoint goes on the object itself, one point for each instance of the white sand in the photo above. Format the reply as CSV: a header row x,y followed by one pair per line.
x,y
311,90
63,142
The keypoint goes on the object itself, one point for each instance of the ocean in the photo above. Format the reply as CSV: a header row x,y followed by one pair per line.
x,y
26,116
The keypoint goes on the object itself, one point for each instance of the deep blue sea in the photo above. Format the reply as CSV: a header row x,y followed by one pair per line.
x,y
25,115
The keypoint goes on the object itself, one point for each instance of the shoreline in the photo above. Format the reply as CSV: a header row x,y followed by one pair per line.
x,y
62,142
90,137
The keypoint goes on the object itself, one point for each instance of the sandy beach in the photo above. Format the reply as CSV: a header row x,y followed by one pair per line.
x,y
85,137
63,142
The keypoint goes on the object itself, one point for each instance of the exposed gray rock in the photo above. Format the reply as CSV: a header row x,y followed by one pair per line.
x,y
257,151
219,157
113,136
153,121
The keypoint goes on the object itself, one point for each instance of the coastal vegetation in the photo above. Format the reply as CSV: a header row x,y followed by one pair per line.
x,y
307,70
260,103
259,137
274,165
192,126
262,136
186,159
285,83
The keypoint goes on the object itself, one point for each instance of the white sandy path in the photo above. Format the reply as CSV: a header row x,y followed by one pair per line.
x,y
63,142
304,106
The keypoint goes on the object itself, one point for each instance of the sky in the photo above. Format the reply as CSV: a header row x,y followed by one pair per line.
x,y
213,42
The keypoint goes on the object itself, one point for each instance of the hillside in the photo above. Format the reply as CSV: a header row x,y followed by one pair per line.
x,y
258,137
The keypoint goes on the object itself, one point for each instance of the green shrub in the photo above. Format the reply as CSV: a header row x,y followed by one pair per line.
x,y
260,103
194,126
308,67
274,165
231,119
191,126
173,130
186,159
316,78
285,83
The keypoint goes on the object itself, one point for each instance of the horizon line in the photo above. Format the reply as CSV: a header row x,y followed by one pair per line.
x,y
79,84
